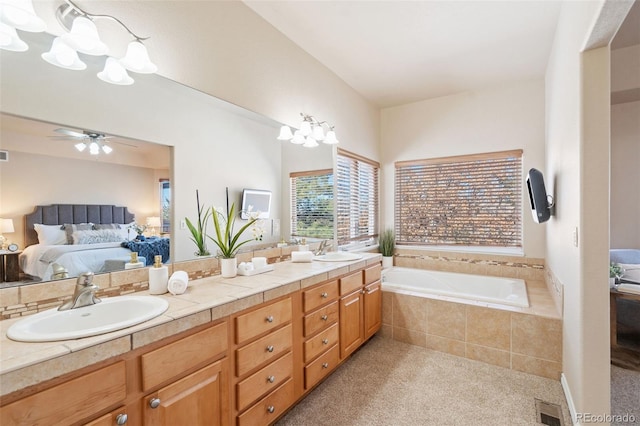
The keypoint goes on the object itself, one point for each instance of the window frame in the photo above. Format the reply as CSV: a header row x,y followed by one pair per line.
x,y
425,171
360,168
293,201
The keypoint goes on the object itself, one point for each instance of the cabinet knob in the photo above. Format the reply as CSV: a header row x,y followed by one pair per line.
x,y
154,402
362,291
325,341
324,295
271,409
121,419
269,318
325,365
271,379
270,348
324,317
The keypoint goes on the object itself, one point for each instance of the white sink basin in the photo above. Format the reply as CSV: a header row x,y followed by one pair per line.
x,y
338,256
111,314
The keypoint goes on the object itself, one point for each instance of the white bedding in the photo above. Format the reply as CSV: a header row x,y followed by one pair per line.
x,y
37,260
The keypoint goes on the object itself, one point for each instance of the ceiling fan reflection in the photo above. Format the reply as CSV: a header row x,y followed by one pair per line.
x,y
95,141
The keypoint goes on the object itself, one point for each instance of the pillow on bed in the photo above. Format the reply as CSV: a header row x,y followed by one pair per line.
x,y
96,236
98,226
126,232
631,271
50,235
69,229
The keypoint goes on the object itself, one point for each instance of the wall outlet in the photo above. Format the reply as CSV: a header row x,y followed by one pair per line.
x,y
275,228
575,237
183,224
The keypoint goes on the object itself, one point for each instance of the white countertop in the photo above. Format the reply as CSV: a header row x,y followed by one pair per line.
x,y
208,299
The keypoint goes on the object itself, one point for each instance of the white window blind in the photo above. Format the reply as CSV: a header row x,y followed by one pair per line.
x,y
312,204
356,198
473,200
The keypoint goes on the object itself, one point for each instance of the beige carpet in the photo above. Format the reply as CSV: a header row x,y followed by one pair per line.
x,y
625,394
391,383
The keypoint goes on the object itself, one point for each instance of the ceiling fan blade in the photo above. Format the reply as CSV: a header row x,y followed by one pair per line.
x,y
124,143
70,133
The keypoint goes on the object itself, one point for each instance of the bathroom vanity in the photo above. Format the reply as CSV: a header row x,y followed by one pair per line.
x,y
229,351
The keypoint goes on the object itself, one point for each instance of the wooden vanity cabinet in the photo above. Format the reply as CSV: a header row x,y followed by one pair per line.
x,y
321,333
360,308
263,355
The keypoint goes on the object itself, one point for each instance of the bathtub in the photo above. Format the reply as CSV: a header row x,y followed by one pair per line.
x,y
503,291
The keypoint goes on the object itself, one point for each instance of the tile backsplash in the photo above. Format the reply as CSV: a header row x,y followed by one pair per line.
x,y
32,298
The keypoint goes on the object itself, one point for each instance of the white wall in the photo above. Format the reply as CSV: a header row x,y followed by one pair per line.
x,y
625,175
494,119
577,142
30,179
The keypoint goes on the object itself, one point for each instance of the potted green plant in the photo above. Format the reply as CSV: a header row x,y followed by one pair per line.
x,y
387,245
199,230
227,241
615,273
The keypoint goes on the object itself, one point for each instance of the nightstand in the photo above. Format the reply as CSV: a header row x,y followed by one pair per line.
x,y
9,266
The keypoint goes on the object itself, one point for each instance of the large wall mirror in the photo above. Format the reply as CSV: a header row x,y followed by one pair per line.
x,y
200,142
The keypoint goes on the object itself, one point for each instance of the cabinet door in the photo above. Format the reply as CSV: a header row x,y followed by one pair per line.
x,y
199,399
372,309
351,328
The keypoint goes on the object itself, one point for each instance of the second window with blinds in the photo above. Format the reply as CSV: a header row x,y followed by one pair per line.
x,y
463,201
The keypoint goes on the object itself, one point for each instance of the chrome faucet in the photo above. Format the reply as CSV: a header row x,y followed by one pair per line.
x,y
84,293
324,245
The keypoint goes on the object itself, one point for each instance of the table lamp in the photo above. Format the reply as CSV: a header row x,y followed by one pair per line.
x,y
6,227
154,223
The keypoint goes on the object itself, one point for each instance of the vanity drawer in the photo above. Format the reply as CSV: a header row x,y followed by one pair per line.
x,y
320,343
263,381
168,361
320,319
372,274
261,320
320,295
263,350
350,283
322,366
71,401
267,410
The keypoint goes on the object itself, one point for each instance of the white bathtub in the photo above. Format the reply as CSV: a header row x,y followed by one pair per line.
x,y
503,291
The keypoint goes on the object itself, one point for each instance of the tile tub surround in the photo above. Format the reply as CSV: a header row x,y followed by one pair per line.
x,y
32,298
206,300
526,268
523,339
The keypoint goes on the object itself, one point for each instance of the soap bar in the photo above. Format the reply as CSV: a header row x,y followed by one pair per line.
x,y
301,256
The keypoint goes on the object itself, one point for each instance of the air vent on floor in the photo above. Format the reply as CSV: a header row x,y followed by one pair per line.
x,y
548,413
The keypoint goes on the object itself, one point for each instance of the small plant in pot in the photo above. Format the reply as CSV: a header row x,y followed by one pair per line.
x,y
228,243
615,273
199,229
387,245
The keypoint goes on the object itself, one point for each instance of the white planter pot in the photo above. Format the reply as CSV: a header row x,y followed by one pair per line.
x,y
228,267
387,261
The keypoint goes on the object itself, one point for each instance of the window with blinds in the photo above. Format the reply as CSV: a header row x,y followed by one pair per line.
x,y
312,204
473,200
356,198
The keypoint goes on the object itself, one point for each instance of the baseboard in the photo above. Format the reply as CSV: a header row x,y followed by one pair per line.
x,y
569,398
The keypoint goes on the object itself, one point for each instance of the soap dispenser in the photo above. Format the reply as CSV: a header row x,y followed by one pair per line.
x,y
158,277
134,262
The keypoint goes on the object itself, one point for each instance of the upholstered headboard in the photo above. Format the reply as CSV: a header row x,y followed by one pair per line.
x,y
59,214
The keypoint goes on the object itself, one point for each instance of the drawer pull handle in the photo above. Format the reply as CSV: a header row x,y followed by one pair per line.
x,y
324,295
324,317
325,365
121,419
270,348
325,341
154,402
271,379
269,318
271,409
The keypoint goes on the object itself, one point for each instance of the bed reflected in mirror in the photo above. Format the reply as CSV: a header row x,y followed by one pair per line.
x,y
113,195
